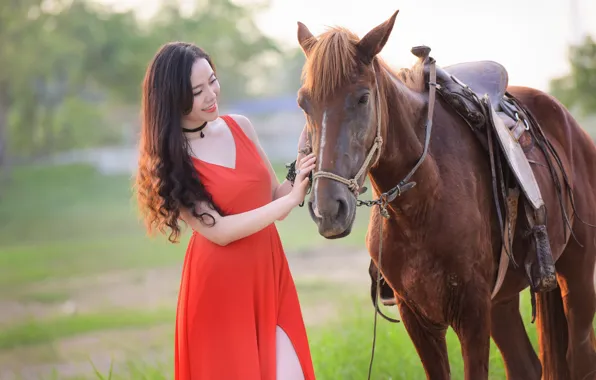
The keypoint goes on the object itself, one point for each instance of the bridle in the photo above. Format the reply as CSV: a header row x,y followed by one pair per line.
x,y
376,148
405,184
385,198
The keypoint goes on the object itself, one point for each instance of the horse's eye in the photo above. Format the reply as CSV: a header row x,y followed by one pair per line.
x,y
363,99
304,103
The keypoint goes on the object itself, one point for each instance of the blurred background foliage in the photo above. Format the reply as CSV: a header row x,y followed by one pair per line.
x,y
70,70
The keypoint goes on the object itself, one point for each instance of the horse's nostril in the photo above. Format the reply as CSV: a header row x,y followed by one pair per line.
x,y
342,208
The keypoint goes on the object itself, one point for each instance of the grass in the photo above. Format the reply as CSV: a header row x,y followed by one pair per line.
x,y
342,349
48,330
63,222
134,370
44,297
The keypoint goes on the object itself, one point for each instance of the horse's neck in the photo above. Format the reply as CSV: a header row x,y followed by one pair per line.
x,y
404,143
404,118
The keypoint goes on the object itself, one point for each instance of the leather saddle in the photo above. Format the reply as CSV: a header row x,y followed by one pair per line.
x,y
482,77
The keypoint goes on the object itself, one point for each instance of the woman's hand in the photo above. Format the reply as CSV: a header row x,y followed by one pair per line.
x,y
301,183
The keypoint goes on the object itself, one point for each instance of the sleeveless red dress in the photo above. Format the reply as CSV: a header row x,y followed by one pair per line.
x,y
232,298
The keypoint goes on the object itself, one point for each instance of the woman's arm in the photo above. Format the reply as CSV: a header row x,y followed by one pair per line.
x,y
228,229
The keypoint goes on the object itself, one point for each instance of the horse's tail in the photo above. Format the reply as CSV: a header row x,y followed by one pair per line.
x,y
552,335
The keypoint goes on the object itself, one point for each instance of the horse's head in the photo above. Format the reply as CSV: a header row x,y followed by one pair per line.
x,y
341,100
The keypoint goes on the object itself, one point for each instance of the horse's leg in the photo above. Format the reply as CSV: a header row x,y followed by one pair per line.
x,y
508,332
472,326
429,340
576,271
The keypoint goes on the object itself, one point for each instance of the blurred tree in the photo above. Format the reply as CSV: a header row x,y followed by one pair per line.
x,y
48,66
19,23
578,88
228,33
63,63
286,79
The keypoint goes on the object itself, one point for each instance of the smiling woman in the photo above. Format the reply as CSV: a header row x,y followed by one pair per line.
x,y
238,313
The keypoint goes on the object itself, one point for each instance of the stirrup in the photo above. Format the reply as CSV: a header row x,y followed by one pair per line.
x,y
541,273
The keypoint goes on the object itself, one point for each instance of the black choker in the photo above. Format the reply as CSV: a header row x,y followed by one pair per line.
x,y
199,128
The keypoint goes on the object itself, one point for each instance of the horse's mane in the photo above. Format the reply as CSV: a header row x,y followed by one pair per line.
x,y
412,77
333,63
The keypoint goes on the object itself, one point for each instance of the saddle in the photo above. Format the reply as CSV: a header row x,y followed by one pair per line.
x,y
482,77
477,91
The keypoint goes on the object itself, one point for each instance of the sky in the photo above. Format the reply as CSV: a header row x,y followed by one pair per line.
x,y
528,37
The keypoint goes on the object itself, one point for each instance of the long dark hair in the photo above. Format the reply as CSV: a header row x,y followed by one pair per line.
x,y
166,179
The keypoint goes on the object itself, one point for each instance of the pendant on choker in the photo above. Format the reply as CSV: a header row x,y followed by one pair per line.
x,y
197,129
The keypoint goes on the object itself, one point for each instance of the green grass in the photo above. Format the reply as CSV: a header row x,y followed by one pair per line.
x,y
71,221
62,221
134,370
67,203
48,330
21,265
343,350
44,297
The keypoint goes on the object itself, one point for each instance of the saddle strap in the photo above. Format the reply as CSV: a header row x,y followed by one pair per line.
x,y
508,234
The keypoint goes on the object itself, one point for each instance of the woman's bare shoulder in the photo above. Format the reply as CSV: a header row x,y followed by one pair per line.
x,y
246,126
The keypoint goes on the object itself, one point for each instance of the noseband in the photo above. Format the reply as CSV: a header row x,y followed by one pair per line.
x,y
405,184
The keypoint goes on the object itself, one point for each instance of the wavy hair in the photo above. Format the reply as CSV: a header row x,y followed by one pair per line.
x,y
166,179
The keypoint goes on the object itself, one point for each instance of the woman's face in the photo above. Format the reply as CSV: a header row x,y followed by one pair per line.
x,y
205,89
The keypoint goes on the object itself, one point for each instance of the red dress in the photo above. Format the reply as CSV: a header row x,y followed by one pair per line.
x,y
232,298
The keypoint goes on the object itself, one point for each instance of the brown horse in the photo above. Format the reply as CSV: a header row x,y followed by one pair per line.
x,y
441,240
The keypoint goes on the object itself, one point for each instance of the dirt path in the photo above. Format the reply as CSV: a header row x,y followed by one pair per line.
x,y
320,275
158,287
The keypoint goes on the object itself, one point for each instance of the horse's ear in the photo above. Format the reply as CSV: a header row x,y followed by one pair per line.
x,y
305,38
372,43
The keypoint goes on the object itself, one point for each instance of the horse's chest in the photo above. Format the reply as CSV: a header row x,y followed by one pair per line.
x,y
413,271
407,261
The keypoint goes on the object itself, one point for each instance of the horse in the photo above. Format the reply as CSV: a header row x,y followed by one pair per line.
x,y
439,228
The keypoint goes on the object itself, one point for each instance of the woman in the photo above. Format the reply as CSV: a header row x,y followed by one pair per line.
x,y
238,314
